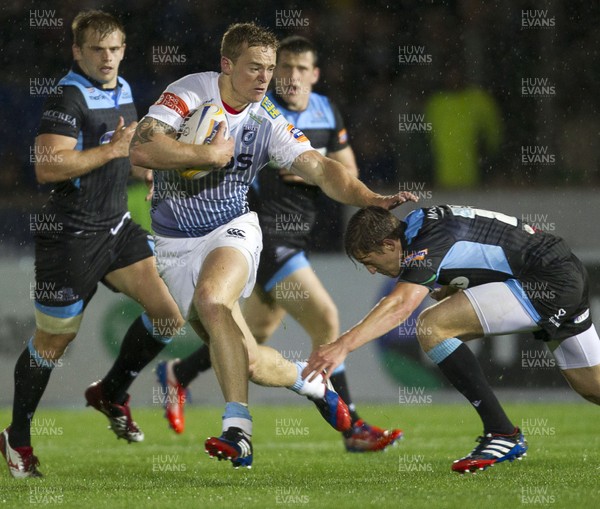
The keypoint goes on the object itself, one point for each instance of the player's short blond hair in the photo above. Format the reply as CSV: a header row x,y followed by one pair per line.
x,y
100,21
249,34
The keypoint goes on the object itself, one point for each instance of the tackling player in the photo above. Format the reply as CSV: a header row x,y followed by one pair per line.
x,y
499,276
287,211
208,242
85,236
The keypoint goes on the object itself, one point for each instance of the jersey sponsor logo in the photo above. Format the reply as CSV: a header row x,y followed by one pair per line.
x,y
243,161
270,108
343,136
298,135
106,137
59,116
236,232
249,134
173,102
417,256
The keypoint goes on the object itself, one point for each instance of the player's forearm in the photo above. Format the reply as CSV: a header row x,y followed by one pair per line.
x,y
154,146
337,183
66,164
164,153
386,315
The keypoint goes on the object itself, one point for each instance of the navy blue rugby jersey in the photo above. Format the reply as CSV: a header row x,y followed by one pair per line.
x,y
464,247
84,111
288,211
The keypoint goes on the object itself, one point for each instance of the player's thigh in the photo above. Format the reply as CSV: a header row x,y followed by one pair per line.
x,y
222,279
453,317
305,298
141,282
263,315
202,272
67,271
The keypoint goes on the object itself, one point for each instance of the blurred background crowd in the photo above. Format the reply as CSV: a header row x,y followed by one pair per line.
x,y
435,94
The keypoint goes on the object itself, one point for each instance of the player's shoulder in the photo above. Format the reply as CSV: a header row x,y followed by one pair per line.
x,y
322,102
321,99
268,109
126,95
68,97
197,81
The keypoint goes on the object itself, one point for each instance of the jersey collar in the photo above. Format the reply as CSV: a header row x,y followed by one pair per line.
x,y
88,81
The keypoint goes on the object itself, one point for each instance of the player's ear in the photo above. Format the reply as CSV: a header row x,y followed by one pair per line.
x,y
226,65
316,75
388,245
76,52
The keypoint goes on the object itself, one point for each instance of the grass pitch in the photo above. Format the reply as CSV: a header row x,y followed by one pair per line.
x,y
300,462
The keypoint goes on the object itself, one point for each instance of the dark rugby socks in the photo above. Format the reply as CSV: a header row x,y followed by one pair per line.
x,y
140,346
32,373
189,368
463,371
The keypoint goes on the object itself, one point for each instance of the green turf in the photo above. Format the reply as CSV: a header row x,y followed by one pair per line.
x,y
300,462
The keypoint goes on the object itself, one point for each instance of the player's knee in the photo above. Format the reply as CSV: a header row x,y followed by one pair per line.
x,y
166,325
261,335
428,330
51,346
209,304
591,396
589,391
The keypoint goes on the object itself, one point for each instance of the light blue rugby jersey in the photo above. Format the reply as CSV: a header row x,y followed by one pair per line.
x,y
193,208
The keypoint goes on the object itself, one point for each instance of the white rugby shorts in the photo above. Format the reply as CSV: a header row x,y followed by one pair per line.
x,y
500,313
179,260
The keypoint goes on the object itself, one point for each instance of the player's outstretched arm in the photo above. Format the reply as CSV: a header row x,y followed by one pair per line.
x,y
154,146
337,183
58,160
389,312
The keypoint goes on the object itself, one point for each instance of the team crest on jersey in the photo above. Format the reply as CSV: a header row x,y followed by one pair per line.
x,y
270,108
249,134
296,133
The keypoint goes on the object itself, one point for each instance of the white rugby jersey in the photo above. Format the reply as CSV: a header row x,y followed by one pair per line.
x,y
193,208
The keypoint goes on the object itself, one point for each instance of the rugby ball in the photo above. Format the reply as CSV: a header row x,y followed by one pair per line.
x,y
199,127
